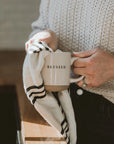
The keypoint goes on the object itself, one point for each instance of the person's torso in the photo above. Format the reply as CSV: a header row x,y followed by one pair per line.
x,y
83,24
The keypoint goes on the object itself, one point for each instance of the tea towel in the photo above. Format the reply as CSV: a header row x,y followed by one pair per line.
x,y
56,108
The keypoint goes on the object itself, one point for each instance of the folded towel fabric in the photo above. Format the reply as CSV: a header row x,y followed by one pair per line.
x,y
56,108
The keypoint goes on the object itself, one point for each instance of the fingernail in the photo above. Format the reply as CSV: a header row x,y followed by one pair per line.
x,y
75,52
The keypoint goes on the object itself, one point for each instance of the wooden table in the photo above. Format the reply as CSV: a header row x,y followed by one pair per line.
x,y
34,129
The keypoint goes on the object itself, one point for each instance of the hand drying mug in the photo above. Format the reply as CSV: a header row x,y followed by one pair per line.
x,y
56,71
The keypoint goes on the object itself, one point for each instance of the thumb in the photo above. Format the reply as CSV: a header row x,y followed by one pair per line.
x,y
46,40
84,54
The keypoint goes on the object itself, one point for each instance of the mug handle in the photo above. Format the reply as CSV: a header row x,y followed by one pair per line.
x,y
73,80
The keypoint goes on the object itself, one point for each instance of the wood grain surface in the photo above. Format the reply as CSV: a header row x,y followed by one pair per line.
x,y
35,130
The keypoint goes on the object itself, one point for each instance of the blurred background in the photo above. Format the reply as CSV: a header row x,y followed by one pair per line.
x,y
20,123
16,17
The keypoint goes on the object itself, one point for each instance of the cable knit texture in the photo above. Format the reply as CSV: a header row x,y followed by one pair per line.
x,y
80,25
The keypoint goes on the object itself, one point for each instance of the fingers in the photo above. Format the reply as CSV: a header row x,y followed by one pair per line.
x,y
47,40
80,63
42,35
79,71
80,83
84,54
86,81
47,36
82,71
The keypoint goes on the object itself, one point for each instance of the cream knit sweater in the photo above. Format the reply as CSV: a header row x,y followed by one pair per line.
x,y
80,25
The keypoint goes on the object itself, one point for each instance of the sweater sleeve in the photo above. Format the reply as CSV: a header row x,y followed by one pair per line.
x,y
42,22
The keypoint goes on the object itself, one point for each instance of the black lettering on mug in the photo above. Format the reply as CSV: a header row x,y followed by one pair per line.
x,y
56,66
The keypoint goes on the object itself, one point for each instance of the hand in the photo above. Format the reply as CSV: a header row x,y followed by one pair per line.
x,y
96,65
47,36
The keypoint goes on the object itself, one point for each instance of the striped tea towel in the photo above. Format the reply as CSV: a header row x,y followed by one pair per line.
x,y
56,108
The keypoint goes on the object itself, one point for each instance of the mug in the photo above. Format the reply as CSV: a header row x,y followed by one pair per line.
x,y
56,71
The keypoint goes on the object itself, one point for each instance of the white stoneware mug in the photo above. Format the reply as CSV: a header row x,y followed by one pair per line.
x,y
56,71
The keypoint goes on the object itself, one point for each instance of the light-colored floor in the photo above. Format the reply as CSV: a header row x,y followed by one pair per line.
x,y
35,130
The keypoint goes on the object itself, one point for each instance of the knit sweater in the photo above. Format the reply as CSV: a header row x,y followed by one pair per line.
x,y
80,25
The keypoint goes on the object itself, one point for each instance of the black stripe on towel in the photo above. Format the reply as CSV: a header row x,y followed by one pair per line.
x,y
46,48
36,93
68,141
37,97
56,96
67,138
35,51
64,123
58,101
40,49
40,42
65,129
35,87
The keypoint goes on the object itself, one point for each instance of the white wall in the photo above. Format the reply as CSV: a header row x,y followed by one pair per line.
x,y
16,17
